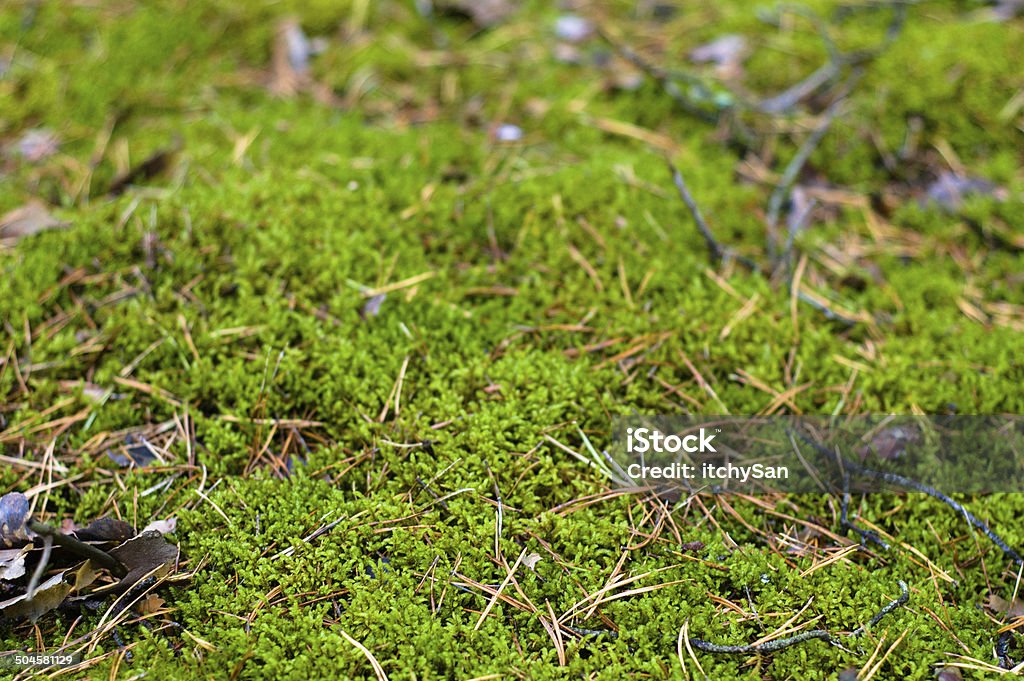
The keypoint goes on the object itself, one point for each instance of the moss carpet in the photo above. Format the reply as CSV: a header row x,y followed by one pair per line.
x,y
361,323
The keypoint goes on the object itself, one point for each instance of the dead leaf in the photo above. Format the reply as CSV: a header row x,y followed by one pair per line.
x,y
531,561
14,513
137,453
12,562
950,189
155,164
106,529
32,218
483,13
38,144
167,526
147,553
891,443
49,594
727,53
150,604
1004,608
372,306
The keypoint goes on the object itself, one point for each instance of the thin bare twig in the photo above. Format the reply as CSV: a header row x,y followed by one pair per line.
x,y
778,644
77,546
908,483
714,249
814,634
797,163
666,82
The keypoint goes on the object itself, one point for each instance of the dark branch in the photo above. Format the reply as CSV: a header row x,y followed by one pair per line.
x,y
80,547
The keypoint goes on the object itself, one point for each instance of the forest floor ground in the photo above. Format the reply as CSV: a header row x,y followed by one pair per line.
x,y
363,274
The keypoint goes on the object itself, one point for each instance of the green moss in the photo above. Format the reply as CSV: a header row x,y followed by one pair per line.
x,y
233,284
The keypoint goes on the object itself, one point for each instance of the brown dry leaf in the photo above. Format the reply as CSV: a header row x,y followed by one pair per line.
x,y
142,555
106,529
32,218
150,604
49,594
1000,606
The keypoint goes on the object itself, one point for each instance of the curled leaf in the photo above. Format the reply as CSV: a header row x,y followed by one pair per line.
x,y
49,594
150,604
12,562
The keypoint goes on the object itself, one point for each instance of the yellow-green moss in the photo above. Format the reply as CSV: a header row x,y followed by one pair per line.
x,y
281,236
